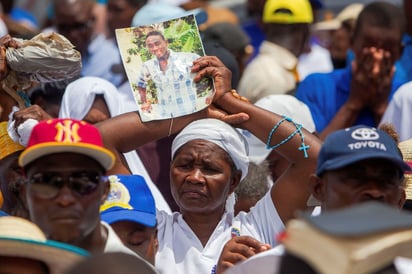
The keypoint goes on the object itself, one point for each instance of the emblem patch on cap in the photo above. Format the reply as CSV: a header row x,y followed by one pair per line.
x,y
365,134
119,195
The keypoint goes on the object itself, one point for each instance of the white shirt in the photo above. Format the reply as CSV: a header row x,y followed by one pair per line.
x,y
266,262
317,60
171,2
3,28
270,72
181,252
126,95
399,112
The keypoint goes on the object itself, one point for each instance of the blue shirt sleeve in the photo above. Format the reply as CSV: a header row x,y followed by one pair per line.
x,y
404,64
313,92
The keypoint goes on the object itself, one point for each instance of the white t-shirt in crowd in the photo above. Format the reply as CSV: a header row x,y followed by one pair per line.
x,y
3,28
181,252
171,2
317,61
266,262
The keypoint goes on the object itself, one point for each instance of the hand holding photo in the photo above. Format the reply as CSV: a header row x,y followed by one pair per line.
x,y
158,59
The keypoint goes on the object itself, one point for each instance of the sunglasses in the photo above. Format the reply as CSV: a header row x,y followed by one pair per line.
x,y
48,185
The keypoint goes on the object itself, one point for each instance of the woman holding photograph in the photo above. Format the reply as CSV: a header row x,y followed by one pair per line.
x,y
209,159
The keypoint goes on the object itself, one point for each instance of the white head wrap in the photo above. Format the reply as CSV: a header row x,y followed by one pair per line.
x,y
219,133
80,94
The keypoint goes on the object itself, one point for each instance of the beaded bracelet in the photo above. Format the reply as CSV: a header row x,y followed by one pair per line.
x,y
298,130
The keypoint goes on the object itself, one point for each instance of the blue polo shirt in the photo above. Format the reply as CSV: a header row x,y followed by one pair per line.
x,y
325,93
405,62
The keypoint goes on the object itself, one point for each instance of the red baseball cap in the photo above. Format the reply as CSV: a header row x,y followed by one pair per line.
x,y
66,135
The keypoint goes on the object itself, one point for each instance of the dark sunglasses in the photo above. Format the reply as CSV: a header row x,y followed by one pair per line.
x,y
48,185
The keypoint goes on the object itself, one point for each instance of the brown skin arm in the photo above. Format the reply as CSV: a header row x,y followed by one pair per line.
x,y
126,132
291,191
32,112
5,42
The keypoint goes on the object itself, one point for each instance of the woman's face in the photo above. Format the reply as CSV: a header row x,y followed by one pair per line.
x,y
201,178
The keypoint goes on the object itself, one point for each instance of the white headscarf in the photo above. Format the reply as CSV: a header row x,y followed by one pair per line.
x,y
80,94
219,133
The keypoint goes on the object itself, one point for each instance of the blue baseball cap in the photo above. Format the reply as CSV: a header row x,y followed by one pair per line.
x,y
130,199
347,146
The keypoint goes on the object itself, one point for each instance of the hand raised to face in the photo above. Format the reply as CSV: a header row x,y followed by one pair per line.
x,y
5,42
372,74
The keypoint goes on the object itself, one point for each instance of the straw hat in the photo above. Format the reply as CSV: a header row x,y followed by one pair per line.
x,y
22,238
350,12
406,149
7,145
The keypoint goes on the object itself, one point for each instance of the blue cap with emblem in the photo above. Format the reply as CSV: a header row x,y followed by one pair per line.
x,y
130,199
347,146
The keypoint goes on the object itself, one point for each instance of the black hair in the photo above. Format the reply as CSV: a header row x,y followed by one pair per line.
x,y
382,15
136,3
155,33
7,6
52,92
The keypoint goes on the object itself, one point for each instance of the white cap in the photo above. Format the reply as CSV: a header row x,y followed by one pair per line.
x,y
349,12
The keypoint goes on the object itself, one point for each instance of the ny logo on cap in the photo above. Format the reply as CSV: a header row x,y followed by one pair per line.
x,y
67,132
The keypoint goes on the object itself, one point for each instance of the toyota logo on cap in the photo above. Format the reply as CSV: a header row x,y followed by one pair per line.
x,y
365,134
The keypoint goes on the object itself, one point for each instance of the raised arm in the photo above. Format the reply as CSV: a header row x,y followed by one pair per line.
x,y
290,192
126,132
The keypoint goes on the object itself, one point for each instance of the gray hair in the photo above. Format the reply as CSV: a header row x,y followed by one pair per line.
x,y
255,185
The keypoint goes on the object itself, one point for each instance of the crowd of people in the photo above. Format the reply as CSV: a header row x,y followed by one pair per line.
x,y
318,128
